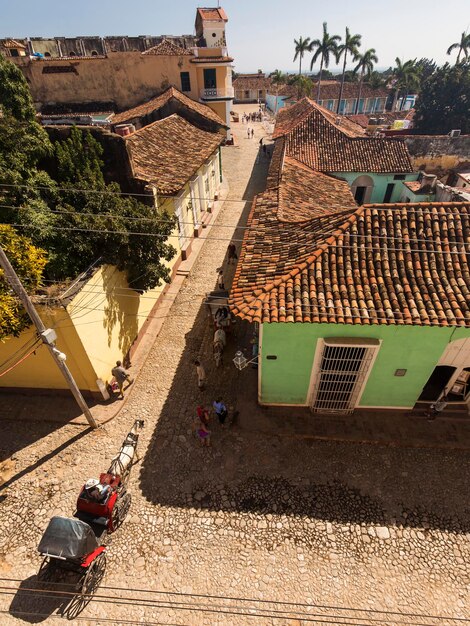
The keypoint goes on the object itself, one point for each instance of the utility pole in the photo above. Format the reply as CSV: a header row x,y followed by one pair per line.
x,y
47,335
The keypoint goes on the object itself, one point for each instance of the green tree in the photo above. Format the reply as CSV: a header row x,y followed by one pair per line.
x,y
444,101
87,219
324,48
350,45
28,261
365,65
463,46
406,77
375,80
301,47
304,85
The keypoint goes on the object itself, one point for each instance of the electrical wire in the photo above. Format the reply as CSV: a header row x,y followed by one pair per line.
x,y
234,226
20,352
340,613
19,361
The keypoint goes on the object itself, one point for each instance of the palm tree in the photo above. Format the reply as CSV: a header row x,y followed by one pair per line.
x,y
277,77
301,47
365,64
350,45
323,48
304,85
407,78
463,45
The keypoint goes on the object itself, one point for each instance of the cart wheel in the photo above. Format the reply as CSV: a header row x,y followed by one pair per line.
x,y
93,576
121,509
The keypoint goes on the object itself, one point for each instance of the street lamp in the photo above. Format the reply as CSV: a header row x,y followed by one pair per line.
x,y
240,361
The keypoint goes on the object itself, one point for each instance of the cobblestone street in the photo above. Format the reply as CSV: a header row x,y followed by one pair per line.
x,y
292,530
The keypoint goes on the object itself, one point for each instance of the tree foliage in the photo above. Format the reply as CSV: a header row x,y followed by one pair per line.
x,y
28,262
85,219
444,102
68,209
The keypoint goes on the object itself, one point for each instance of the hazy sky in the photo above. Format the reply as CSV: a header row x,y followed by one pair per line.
x,y
260,33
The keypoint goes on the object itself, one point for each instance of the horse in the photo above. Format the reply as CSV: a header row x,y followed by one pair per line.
x,y
121,464
218,345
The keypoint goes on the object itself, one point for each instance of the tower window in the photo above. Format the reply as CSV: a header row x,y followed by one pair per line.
x,y
214,34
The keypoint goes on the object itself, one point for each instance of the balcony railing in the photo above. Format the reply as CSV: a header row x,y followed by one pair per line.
x,y
215,93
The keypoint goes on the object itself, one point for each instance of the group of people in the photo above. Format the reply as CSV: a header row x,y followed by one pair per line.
x,y
252,117
204,417
250,132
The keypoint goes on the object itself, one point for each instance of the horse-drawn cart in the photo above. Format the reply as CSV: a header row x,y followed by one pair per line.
x,y
74,546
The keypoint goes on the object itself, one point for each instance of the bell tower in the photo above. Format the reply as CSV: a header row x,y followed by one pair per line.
x,y
210,27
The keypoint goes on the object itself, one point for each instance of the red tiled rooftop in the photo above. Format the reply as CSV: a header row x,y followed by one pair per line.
x,y
378,264
314,137
254,81
169,152
157,103
211,13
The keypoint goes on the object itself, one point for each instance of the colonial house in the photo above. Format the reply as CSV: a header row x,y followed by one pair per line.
x,y
372,101
180,165
358,308
373,167
100,317
251,87
92,74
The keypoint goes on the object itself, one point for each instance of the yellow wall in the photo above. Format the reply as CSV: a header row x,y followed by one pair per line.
x,y
126,78
39,371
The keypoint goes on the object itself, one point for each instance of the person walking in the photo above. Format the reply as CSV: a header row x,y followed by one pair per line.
x,y
248,132
231,253
252,133
220,410
120,376
201,374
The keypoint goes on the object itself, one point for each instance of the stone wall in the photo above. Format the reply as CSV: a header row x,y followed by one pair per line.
x,y
438,154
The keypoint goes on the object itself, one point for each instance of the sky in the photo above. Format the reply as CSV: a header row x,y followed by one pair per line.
x,y
260,33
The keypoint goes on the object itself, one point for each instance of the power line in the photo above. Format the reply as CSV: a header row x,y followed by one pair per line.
x,y
116,193
80,214
249,611
257,600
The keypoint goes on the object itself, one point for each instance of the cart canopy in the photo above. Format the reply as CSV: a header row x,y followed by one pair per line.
x,y
68,538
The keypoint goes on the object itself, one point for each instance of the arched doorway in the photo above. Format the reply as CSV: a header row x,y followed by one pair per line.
x,y
437,383
362,189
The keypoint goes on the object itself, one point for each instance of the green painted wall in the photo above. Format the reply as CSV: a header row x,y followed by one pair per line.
x,y
380,184
417,349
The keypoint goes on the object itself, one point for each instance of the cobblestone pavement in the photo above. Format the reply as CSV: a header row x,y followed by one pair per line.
x,y
323,527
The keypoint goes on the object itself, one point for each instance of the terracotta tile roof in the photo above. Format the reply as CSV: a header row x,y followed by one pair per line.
x,y
304,194
314,138
13,43
217,59
331,89
157,103
212,14
381,264
363,119
254,81
168,48
168,152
